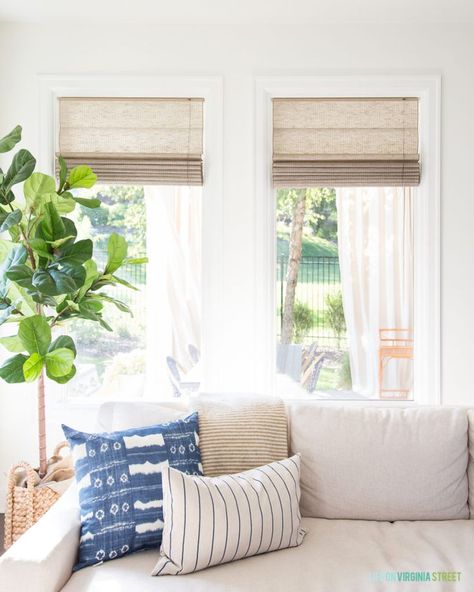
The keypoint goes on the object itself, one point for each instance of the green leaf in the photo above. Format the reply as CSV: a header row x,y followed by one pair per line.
x,y
117,251
22,299
73,305
136,260
77,253
118,303
90,306
91,275
40,247
8,198
21,274
62,171
87,203
23,164
111,280
81,176
122,282
61,241
52,225
42,299
59,362
70,227
63,341
14,233
105,325
12,369
53,282
62,379
36,187
75,272
9,220
35,334
32,367
64,203
10,140
15,255
12,343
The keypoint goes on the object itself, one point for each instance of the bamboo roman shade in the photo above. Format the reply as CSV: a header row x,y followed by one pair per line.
x,y
149,141
344,142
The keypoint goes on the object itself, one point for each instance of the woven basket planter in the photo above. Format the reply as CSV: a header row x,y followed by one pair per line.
x,y
26,504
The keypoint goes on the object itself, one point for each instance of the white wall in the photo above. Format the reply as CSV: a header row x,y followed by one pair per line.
x,y
239,54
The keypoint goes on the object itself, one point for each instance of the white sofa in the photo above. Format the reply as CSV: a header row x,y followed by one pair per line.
x,y
387,493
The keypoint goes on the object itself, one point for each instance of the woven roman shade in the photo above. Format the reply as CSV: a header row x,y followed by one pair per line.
x,y
345,142
148,141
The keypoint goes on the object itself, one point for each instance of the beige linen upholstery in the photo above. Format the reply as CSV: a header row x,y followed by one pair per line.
x,y
336,556
378,463
42,559
239,434
470,469
118,415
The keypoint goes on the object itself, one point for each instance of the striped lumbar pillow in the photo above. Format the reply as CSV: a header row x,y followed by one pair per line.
x,y
238,435
213,520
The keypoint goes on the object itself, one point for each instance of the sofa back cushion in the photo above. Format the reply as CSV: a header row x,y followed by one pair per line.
x,y
377,463
123,415
470,469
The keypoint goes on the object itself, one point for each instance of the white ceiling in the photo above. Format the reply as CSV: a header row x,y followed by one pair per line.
x,y
238,12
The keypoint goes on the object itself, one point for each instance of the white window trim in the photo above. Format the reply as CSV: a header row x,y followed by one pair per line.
x,y
427,325
211,89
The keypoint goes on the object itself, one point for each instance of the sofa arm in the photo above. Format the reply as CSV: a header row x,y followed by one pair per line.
x,y
43,558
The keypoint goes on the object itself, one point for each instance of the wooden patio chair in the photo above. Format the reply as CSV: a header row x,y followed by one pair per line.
x,y
309,378
394,344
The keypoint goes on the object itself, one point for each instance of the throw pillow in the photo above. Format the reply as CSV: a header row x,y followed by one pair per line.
x,y
238,434
119,482
213,520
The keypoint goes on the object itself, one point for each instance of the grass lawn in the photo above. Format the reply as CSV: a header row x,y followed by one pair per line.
x,y
327,379
313,246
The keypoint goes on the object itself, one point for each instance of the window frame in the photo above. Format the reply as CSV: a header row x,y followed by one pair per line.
x,y
211,89
427,235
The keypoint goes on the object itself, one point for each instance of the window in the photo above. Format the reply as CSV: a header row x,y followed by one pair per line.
x,y
348,308
154,351
148,155
345,292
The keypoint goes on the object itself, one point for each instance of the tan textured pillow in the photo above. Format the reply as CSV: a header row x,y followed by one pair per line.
x,y
238,434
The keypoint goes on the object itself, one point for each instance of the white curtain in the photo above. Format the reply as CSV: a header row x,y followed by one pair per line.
x,y
173,280
375,235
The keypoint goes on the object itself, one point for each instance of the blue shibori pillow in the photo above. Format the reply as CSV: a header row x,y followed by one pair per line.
x,y
119,481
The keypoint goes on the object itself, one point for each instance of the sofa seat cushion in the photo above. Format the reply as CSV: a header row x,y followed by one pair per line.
x,y
336,555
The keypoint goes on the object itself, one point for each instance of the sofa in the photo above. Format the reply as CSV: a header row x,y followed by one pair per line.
x,y
387,498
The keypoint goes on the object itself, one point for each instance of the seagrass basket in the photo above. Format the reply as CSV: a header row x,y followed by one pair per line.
x,y
26,503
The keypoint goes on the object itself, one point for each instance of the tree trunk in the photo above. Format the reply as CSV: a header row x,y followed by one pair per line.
x,y
42,426
295,248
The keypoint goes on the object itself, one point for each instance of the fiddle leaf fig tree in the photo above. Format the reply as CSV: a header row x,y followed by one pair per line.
x,y
48,275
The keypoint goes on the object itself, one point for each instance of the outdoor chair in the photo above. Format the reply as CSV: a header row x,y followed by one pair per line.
x,y
394,344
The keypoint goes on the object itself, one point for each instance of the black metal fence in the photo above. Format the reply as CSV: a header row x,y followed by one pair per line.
x,y
318,278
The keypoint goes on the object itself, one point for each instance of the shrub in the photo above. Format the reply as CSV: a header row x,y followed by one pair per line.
x,y
335,315
303,321
344,376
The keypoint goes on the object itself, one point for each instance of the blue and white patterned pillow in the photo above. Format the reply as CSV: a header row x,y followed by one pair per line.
x,y
120,488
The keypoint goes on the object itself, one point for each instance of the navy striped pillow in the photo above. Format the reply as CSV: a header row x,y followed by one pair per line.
x,y
119,480
213,520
